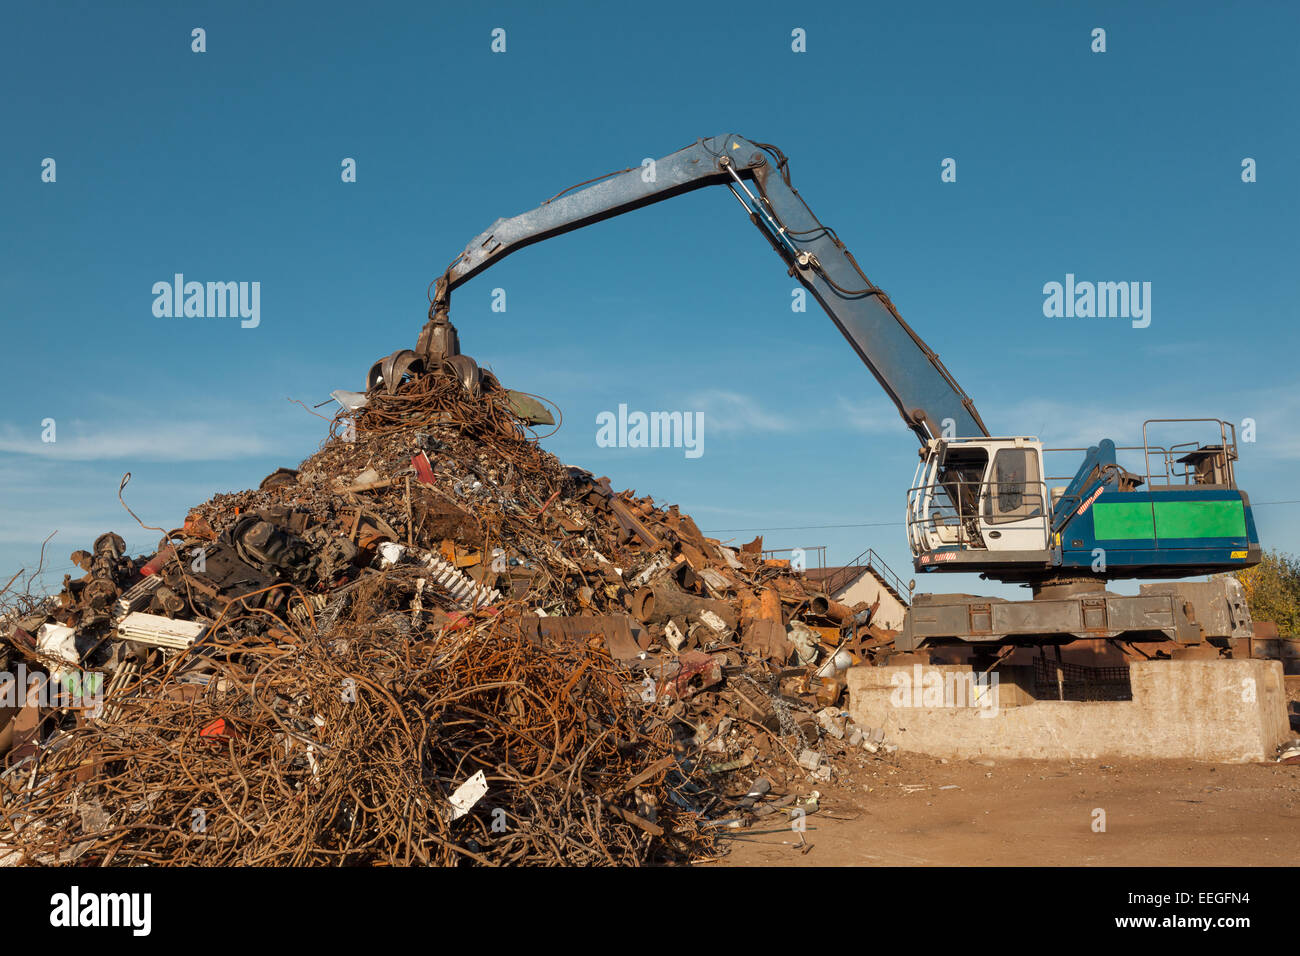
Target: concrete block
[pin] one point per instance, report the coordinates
(1222, 711)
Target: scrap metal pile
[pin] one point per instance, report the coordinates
(431, 643)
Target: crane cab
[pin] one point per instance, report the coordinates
(982, 504)
(979, 501)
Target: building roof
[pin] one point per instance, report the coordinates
(845, 573)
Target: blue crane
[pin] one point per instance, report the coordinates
(979, 503)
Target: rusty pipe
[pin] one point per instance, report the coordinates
(823, 606)
(664, 600)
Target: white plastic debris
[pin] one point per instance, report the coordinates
(390, 553)
(157, 630)
(349, 400)
(873, 740)
(804, 640)
(57, 641)
(831, 721)
(674, 636)
(714, 622)
(809, 759)
(467, 794)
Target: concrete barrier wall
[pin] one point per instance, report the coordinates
(1222, 711)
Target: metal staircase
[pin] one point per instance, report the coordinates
(874, 565)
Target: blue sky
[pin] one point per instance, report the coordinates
(225, 166)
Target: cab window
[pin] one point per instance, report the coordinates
(1014, 490)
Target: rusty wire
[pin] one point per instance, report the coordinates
(345, 746)
(430, 401)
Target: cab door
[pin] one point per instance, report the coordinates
(1014, 510)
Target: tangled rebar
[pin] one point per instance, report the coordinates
(345, 747)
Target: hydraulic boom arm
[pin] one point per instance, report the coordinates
(910, 372)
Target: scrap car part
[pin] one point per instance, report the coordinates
(262, 545)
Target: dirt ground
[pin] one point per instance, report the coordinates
(911, 810)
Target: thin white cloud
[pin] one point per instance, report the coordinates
(871, 417)
(728, 412)
(162, 441)
(1070, 424)
(1275, 412)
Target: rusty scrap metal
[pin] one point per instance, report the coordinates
(364, 658)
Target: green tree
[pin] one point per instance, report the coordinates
(1273, 591)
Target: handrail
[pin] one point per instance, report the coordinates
(820, 549)
(869, 560)
(1229, 447)
(1031, 493)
